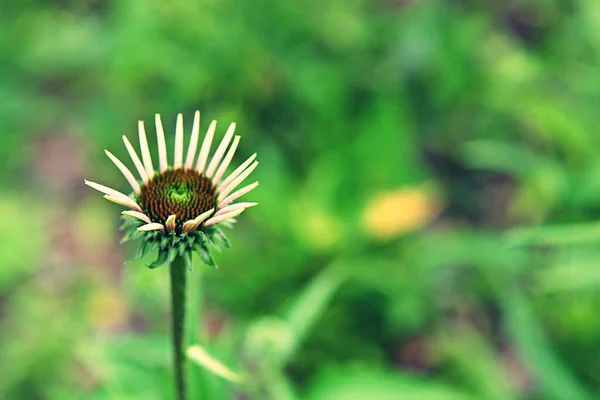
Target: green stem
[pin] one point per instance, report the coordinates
(194, 318)
(178, 289)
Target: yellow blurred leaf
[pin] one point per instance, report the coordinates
(390, 214)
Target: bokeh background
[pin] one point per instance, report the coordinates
(430, 188)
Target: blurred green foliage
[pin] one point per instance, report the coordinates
(430, 183)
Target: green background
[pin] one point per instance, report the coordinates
(430, 187)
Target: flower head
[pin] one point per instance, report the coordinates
(181, 207)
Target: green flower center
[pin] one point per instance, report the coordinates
(184, 193)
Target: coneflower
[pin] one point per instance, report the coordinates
(181, 207)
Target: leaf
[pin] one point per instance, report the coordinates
(556, 235)
(310, 303)
(201, 357)
(365, 383)
(554, 377)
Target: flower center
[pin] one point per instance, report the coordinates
(185, 193)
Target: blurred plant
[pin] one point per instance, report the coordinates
(180, 209)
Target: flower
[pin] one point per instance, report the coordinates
(181, 208)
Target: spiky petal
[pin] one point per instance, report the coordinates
(227, 189)
(138, 215)
(151, 227)
(171, 223)
(136, 160)
(220, 218)
(237, 194)
(162, 144)
(178, 161)
(236, 173)
(126, 202)
(236, 206)
(105, 189)
(214, 163)
(205, 149)
(226, 161)
(195, 223)
(125, 171)
(145, 150)
(189, 161)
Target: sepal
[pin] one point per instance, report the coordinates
(171, 244)
(162, 258)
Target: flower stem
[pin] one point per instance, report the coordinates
(178, 297)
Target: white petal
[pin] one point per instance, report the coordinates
(151, 227)
(223, 217)
(178, 142)
(125, 171)
(105, 189)
(203, 217)
(205, 149)
(236, 206)
(226, 161)
(195, 223)
(238, 194)
(237, 171)
(192, 224)
(188, 225)
(171, 223)
(214, 163)
(138, 215)
(126, 202)
(226, 190)
(162, 144)
(145, 150)
(136, 160)
(189, 161)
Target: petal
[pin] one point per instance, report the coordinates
(151, 227)
(171, 223)
(203, 217)
(189, 161)
(238, 180)
(214, 163)
(125, 171)
(226, 161)
(105, 189)
(237, 171)
(178, 142)
(220, 218)
(205, 149)
(127, 202)
(188, 225)
(162, 144)
(237, 194)
(138, 215)
(192, 224)
(136, 160)
(236, 206)
(145, 150)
